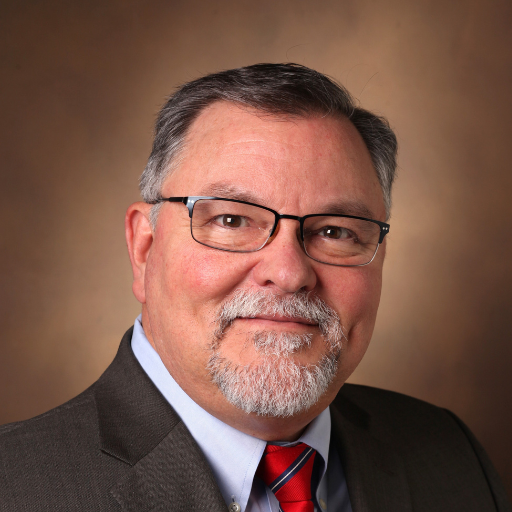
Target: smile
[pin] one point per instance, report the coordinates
(277, 319)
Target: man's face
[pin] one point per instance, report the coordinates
(296, 167)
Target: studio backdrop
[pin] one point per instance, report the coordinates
(81, 85)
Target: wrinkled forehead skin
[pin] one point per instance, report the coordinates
(265, 155)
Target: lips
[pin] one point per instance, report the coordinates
(279, 318)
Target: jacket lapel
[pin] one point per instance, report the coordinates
(166, 469)
(172, 477)
(375, 473)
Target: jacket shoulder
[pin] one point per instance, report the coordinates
(401, 421)
(58, 444)
(54, 460)
(432, 441)
(40, 424)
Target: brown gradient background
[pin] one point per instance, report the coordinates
(82, 82)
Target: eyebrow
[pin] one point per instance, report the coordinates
(230, 192)
(221, 189)
(355, 208)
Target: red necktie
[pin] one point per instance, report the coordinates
(288, 471)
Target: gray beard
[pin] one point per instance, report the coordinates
(275, 385)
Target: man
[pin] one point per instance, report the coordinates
(257, 257)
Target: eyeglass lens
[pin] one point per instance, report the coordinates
(240, 227)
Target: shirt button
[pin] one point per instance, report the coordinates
(234, 507)
(323, 504)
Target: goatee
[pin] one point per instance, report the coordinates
(275, 385)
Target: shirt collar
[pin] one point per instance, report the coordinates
(232, 455)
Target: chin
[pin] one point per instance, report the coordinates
(276, 386)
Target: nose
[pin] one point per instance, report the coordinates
(283, 263)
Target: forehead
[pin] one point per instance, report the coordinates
(291, 163)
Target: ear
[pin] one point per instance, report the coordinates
(139, 238)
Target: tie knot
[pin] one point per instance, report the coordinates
(289, 473)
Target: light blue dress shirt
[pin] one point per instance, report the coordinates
(233, 455)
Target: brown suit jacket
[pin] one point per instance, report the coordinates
(119, 446)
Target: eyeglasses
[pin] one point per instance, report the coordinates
(239, 226)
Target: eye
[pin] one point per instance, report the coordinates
(334, 232)
(231, 221)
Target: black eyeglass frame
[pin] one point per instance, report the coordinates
(190, 201)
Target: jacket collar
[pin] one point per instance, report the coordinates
(167, 470)
(375, 473)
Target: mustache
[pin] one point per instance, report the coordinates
(300, 305)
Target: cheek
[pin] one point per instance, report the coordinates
(355, 294)
(201, 276)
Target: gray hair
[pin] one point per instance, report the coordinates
(287, 90)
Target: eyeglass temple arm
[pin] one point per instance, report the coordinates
(183, 200)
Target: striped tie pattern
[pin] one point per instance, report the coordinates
(288, 472)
